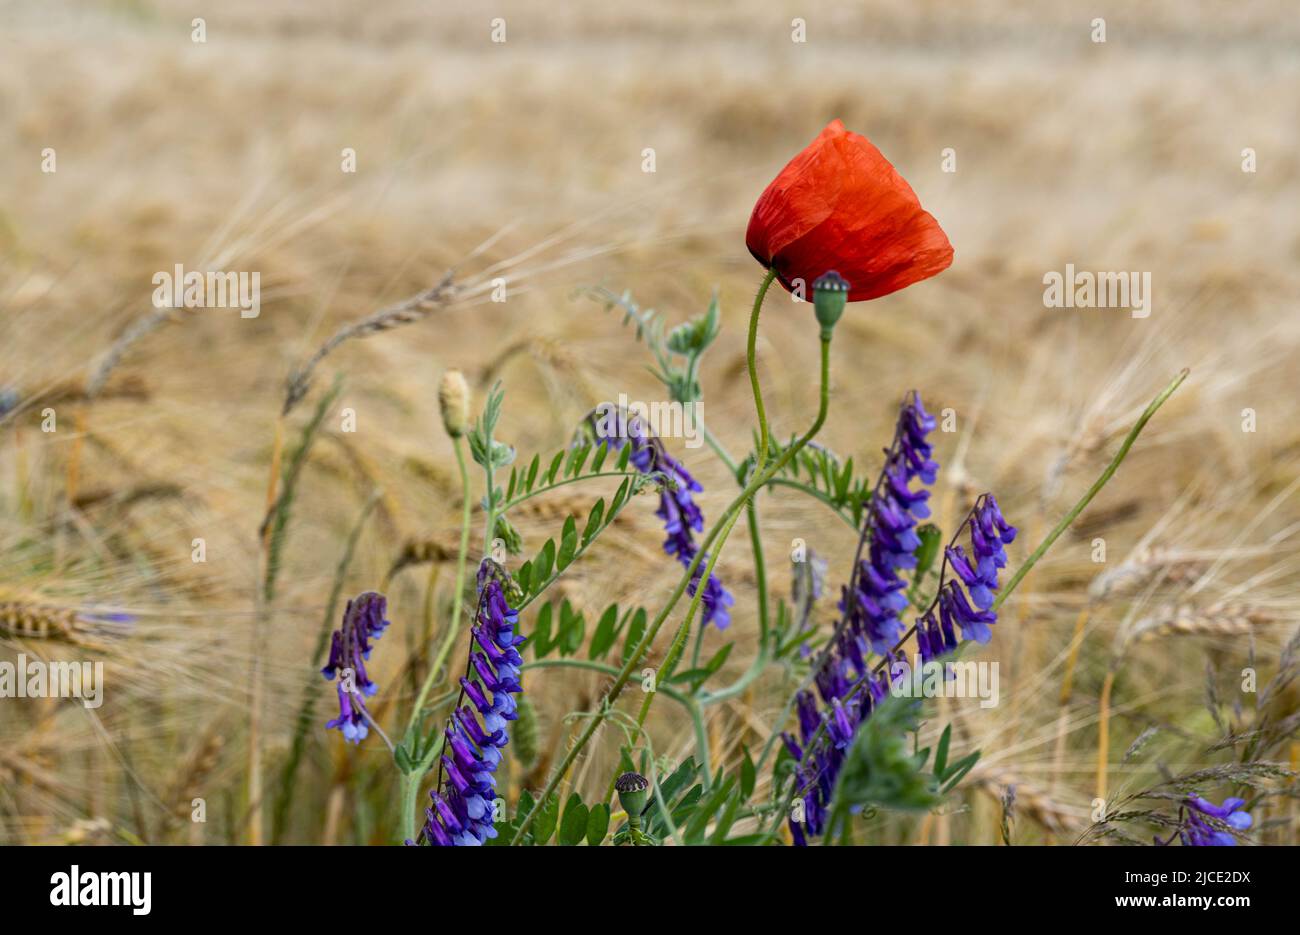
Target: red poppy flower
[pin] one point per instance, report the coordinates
(839, 205)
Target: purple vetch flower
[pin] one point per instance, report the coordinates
(872, 606)
(978, 572)
(680, 513)
(350, 644)
(462, 812)
(1197, 832)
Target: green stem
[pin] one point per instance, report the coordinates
(764, 433)
(634, 659)
(760, 563)
(679, 641)
(453, 629)
(410, 785)
(1101, 482)
(511, 504)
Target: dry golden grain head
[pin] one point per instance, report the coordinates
(28, 620)
(35, 620)
(453, 400)
(1174, 567)
(194, 773)
(1222, 619)
(423, 551)
(1052, 815)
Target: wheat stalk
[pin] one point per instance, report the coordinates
(405, 312)
(1221, 619)
(25, 619)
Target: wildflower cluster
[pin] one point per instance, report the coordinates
(350, 644)
(876, 597)
(678, 510)
(966, 602)
(462, 811)
(871, 604)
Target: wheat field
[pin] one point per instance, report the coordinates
(1126, 657)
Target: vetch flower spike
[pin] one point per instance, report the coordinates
(350, 645)
(462, 812)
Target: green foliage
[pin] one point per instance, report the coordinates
(677, 354)
(486, 451)
(560, 628)
(551, 560)
(880, 772)
(578, 823)
(818, 471)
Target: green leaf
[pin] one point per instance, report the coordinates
(541, 636)
(578, 459)
(532, 472)
(727, 818)
(606, 633)
(719, 659)
(593, 521)
(619, 496)
(544, 823)
(624, 454)
(959, 771)
(542, 565)
(554, 469)
(568, 544)
(597, 824)
(572, 629)
(748, 775)
(941, 752)
(926, 553)
(634, 633)
(699, 820)
(573, 827)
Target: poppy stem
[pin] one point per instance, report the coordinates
(764, 435)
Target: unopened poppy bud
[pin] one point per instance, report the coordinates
(632, 793)
(453, 400)
(830, 292)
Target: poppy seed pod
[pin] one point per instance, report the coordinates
(632, 791)
(453, 400)
(830, 292)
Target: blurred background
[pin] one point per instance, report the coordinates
(524, 159)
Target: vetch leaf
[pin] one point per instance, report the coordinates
(606, 633)
(573, 827)
(597, 824)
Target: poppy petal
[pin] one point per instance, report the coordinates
(840, 205)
